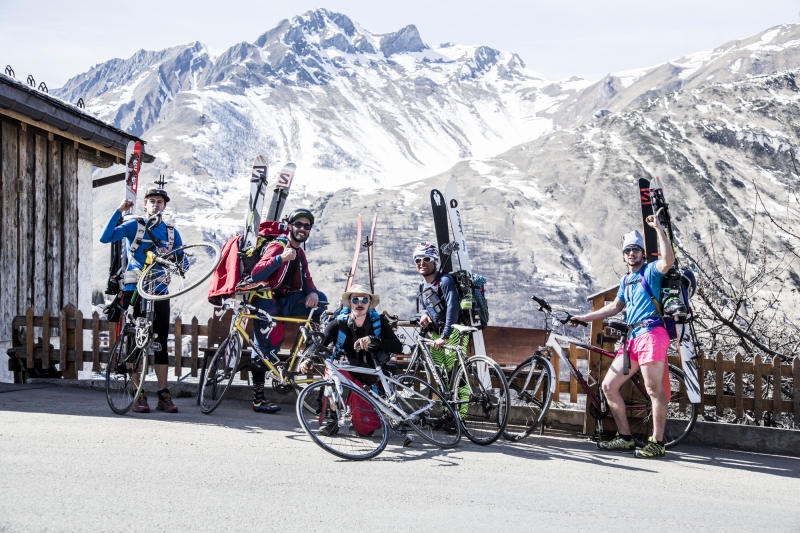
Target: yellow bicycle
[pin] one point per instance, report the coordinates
(217, 374)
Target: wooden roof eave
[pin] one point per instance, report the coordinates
(48, 113)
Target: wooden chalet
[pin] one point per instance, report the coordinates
(48, 149)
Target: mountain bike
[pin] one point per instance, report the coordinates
(339, 414)
(179, 271)
(533, 384)
(218, 372)
(475, 388)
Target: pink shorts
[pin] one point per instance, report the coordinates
(650, 347)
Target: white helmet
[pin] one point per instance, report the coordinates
(426, 249)
(633, 238)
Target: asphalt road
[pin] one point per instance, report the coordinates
(69, 464)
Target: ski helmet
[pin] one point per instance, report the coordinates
(632, 239)
(155, 191)
(301, 213)
(689, 281)
(426, 249)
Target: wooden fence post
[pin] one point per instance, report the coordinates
(29, 341)
(79, 340)
(95, 342)
(195, 332)
(758, 396)
(46, 339)
(62, 343)
(719, 373)
(777, 397)
(701, 378)
(739, 385)
(796, 390)
(178, 347)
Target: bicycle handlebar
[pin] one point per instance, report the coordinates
(542, 304)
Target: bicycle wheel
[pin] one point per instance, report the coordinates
(125, 360)
(681, 413)
(220, 373)
(481, 398)
(530, 393)
(433, 419)
(331, 426)
(183, 270)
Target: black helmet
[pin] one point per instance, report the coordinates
(689, 281)
(301, 213)
(155, 191)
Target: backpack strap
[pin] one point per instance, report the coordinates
(137, 240)
(342, 321)
(170, 237)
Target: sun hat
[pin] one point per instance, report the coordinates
(360, 289)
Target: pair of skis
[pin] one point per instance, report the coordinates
(653, 202)
(369, 245)
(258, 189)
(448, 207)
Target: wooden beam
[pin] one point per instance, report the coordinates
(108, 180)
(54, 211)
(69, 225)
(8, 227)
(65, 134)
(27, 172)
(40, 226)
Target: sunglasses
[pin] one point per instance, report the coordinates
(420, 260)
(362, 300)
(628, 251)
(302, 225)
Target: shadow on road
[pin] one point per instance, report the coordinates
(555, 445)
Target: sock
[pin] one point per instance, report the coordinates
(258, 392)
(626, 438)
(162, 392)
(661, 442)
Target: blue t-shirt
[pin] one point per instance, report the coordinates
(638, 303)
(127, 231)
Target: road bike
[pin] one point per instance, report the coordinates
(219, 371)
(475, 388)
(336, 412)
(164, 275)
(534, 383)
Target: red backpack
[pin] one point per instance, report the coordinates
(229, 271)
(363, 416)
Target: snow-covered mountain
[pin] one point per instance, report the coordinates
(367, 116)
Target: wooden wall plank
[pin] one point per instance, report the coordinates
(776, 389)
(195, 332)
(69, 225)
(27, 169)
(95, 342)
(796, 390)
(8, 228)
(53, 218)
(40, 226)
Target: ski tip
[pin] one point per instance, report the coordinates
(260, 161)
(656, 183)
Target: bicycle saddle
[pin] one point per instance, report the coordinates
(464, 329)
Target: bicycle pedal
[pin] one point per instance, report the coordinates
(409, 440)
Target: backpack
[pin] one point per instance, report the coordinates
(119, 261)
(363, 416)
(471, 298)
(342, 316)
(234, 264)
(668, 322)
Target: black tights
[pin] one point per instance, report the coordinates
(160, 323)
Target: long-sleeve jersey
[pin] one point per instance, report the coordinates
(127, 231)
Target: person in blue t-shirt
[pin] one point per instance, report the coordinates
(647, 341)
(155, 201)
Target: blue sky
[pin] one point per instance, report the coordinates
(587, 38)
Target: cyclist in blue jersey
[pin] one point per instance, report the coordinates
(646, 342)
(158, 236)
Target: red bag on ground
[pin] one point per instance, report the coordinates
(363, 416)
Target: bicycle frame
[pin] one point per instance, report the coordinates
(387, 406)
(239, 324)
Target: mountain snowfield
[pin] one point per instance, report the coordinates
(547, 170)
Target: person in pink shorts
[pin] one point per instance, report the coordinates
(646, 343)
